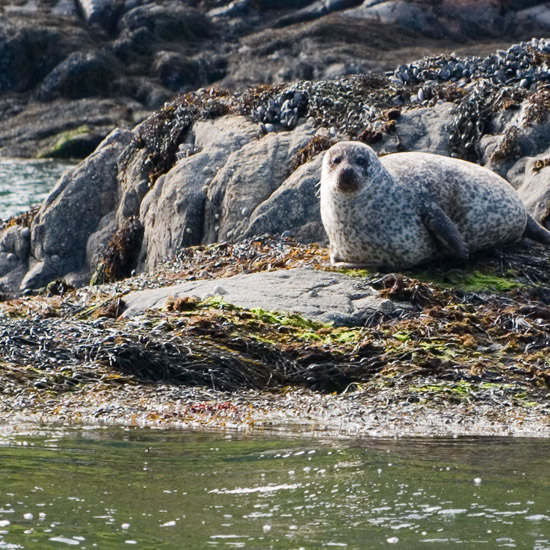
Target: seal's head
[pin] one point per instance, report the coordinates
(348, 167)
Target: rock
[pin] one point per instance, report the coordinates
(425, 129)
(321, 296)
(173, 213)
(14, 255)
(166, 22)
(219, 166)
(316, 10)
(76, 144)
(293, 208)
(445, 18)
(178, 72)
(535, 190)
(515, 135)
(72, 212)
(143, 53)
(100, 12)
(82, 74)
(536, 14)
(98, 242)
(248, 178)
(233, 9)
(415, 17)
(33, 134)
(31, 46)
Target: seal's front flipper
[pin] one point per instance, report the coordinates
(444, 232)
(536, 232)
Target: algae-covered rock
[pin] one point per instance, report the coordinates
(216, 165)
(320, 296)
(173, 212)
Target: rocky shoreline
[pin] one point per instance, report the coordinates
(215, 166)
(458, 350)
(172, 278)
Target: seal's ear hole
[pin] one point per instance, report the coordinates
(336, 160)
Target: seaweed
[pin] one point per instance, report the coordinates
(122, 253)
(317, 144)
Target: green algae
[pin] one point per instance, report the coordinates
(465, 390)
(454, 279)
(477, 281)
(288, 319)
(64, 142)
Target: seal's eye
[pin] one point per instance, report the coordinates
(361, 161)
(336, 160)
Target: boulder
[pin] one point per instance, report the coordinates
(82, 74)
(321, 296)
(31, 47)
(537, 14)
(166, 22)
(535, 190)
(248, 178)
(72, 212)
(293, 209)
(104, 13)
(425, 129)
(14, 255)
(173, 212)
(412, 16)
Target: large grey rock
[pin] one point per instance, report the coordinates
(425, 129)
(100, 12)
(409, 15)
(72, 212)
(536, 14)
(82, 74)
(293, 208)
(173, 212)
(14, 255)
(30, 47)
(248, 178)
(317, 295)
(514, 135)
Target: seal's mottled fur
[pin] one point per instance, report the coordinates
(408, 208)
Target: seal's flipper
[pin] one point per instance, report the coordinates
(444, 231)
(536, 232)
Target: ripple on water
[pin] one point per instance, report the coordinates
(258, 493)
(25, 183)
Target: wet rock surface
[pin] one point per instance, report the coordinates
(317, 295)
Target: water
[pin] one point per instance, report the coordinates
(117, 488)
(25, 183)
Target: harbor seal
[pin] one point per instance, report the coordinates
(406, 209)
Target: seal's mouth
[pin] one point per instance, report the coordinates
(347, 180)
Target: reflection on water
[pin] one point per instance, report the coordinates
(24, 183)
(113, 488)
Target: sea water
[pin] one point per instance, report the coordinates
(157, 489)
(26, 183)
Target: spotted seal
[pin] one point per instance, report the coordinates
(405, 209)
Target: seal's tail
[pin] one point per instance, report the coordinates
(536, 232)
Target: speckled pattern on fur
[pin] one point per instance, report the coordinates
(405, 209)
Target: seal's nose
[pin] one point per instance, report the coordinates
(347, 174)
(347, 179)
